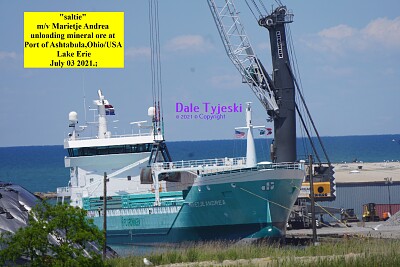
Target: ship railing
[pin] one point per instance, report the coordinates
(223, 164)
(219, 162)
(63, 191)
(262, 166)
(282, 165)
(135, 211)
(111, 137)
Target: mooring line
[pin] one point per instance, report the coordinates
(256, 195)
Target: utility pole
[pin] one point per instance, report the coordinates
(388, 182)
(310, 173)
(105, 216)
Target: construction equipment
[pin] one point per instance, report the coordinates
(300, 217)
(348, 215)
(369, 213)
(324, 184)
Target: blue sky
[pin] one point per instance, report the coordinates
(347, 52)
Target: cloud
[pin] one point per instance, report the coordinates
(189, 43)
(8, 55)
(381, 32)
(337, 32)
(137, 52)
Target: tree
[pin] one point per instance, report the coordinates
(59, 235)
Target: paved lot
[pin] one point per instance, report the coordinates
(369, 229)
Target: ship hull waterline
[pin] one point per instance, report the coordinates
(242, 206)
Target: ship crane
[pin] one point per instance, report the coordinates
(241, 53)
(277, 95)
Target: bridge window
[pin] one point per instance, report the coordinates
(109, 150)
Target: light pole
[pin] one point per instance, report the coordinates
(388, 182)
(105, 215)
(314, 226)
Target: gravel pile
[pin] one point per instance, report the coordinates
(393, 220)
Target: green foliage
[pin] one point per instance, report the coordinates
(55, 236)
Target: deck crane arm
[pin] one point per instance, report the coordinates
(278, 96)
(241, 53)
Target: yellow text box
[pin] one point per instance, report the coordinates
(73, 40)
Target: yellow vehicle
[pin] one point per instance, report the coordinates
(369, 213)
(324, 184)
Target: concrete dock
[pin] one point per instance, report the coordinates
(370, 229)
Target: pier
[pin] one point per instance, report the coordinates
(46, 195)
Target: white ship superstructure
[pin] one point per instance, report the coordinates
(121, 157)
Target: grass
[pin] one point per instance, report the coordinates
(340, 252)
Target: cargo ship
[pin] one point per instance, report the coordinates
(151, 199)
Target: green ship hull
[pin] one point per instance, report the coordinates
(246, 205)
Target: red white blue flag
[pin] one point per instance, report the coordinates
(239, 134)
(109, 110)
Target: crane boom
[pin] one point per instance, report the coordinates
(239, 50)
(277, 95)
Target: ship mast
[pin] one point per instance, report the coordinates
(101, 103)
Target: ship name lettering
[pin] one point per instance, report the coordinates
(130, 222)
(208, 203)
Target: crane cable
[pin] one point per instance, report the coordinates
(256, 6)
(315, 130)
(263, 6)
(251, 10)
(258, 9)
(300, 108)
(156, 81)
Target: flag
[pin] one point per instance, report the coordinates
(109, 110)
(262, 131)
(239, 134)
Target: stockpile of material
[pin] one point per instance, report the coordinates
(393, 220)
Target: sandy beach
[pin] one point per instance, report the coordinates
(366, 172)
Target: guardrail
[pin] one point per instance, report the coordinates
(157, 137)
(230, 163)
(220, 162)
(282, 165)
(63, 191)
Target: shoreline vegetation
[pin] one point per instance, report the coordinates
(353, 251)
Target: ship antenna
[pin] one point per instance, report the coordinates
(84, 95)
